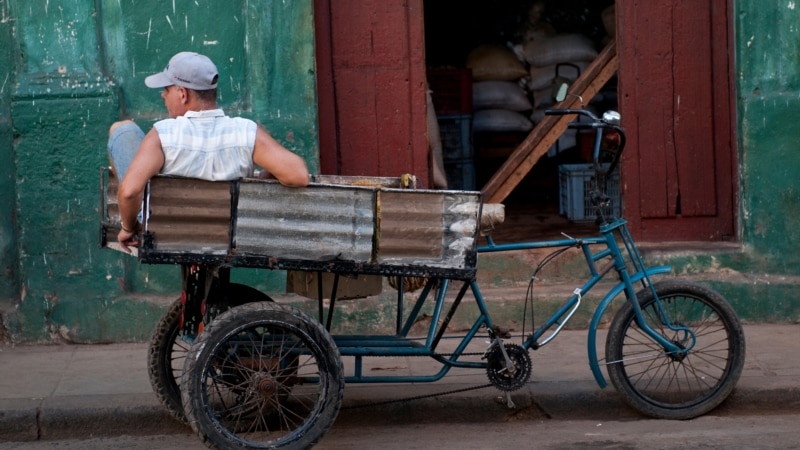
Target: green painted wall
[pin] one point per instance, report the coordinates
(768, 91)
(8, 251)
(68, 70)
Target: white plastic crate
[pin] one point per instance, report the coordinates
(575, 184)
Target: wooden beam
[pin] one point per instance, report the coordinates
(546, 132)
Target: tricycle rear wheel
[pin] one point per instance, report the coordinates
(169, 346)
(262, 375)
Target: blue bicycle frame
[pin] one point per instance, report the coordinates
(611, 249)
(630, 272)
(616, 248)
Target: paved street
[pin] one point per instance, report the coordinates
(57, 393)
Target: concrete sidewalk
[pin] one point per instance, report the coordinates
(64, 391)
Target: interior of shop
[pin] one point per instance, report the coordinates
(492, 67)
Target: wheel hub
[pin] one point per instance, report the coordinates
(679, 355)
(267, 386)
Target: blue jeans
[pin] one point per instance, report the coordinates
(122, 146)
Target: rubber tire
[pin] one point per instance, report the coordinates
(719, 348)
(221, 362)
(168, 349)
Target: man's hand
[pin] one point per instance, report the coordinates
(127, 239)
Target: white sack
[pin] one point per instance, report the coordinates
(500, 120)
(499, 95)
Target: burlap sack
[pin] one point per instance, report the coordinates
(495, 62)
(558, 49)
(435, 147)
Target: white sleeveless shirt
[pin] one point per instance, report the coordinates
(208, 145)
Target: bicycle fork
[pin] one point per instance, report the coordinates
(642, 274)
(670, 347)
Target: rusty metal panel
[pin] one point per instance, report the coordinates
(316, 223)
(428, 228)
(186, 215)
(111, 204)
(410, 225)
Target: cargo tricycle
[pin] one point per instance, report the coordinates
(249, 372)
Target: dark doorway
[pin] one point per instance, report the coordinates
(542, 205)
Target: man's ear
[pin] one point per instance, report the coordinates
(184, 94)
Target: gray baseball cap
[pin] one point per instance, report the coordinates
(188, 69)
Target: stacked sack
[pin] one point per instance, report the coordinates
(498, 97)
(563, 56)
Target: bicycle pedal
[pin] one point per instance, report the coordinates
(505, 399)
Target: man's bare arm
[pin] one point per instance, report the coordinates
(288, 168)
(147, 163)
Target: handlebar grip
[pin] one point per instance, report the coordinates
(562, 112)
(583, 126)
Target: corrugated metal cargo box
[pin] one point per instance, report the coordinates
(360, 227)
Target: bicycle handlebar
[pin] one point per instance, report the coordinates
(565, 112)
(600, 124)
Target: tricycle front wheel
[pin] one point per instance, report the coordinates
(680, 386)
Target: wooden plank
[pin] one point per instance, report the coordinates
(693, 40)
(546, 132)
(655, 85)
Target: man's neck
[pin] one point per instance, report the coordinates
(201, 106)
